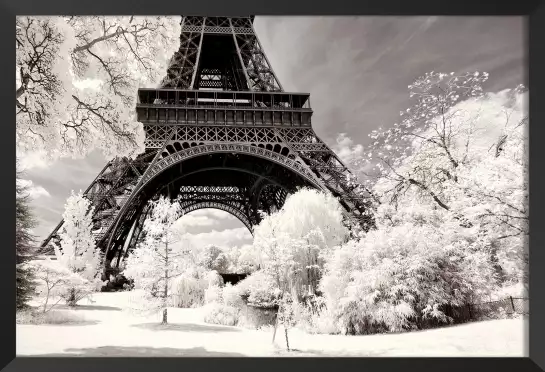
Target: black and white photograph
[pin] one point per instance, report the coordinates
(272, 186)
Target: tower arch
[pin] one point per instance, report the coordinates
(220, 131)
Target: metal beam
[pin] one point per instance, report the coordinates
(191, 86)
(240, 56)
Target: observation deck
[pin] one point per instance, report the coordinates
(223, 108)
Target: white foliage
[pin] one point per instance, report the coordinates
(231, 296)
(158, 265)
(214, 258)
(219, 313)
(400, 273)
(77, 251)
(188, 290)
(291, 240)
(260, 289)
(77, 79)
(224, 305)
(213, 294)
(463, 153)
(451, 209)
(313, 216)
(214, 279)
(55, 280)
(244, 259)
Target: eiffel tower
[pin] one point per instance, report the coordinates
(220, 133)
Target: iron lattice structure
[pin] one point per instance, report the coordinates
(220, 133)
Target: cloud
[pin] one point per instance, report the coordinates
(226, 238)
(201, 220)
(212, 213)
(347, 150)
(34, 191)
(352, 155)
(190, 220)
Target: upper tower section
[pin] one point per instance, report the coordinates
(220, 76)
(220, 54)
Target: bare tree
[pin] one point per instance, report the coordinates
(461, 152)
(78, 76)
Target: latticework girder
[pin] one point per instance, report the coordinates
(220, 133)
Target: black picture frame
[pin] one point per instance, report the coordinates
(535, 12)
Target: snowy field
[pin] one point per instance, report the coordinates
(106, 328)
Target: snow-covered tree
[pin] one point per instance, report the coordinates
(244, 259)
(406, 273)
(189, 288)
(214, 258)
(277, 251)
(157, 261)
(290, 240)
(450, 190)
(463, 152)
(55, 281)
(77, 251)
(77, 79)
(24, 222)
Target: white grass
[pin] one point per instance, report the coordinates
(109, 330)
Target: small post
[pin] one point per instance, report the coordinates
(512, 303)
(275, 327)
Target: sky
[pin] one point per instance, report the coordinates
(356, 69)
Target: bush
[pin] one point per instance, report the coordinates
(232, 297)
(399, 277)
(223, 305)
(50, 317)
(257, 317)
(323, 323)
(214, 279)
(259, 289)
(213, 258)
(227, 305)
(213, 294)
(219, 313)
(188, 290)
(312, 316)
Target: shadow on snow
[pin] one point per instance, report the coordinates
(137, 351)
(185, 327)
(88, 307)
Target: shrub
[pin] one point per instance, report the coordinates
(188, 290)
(395, 278)
(214, 279)
(50, 317)
(219, 313)
(223, 305)
(232, 297)
(257, 317)
(259, 289)
(213, 294)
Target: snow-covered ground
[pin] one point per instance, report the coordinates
(107, 329)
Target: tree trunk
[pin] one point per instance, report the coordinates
(71, 300)
(165, 294)
(46, 298)
(164, 316)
